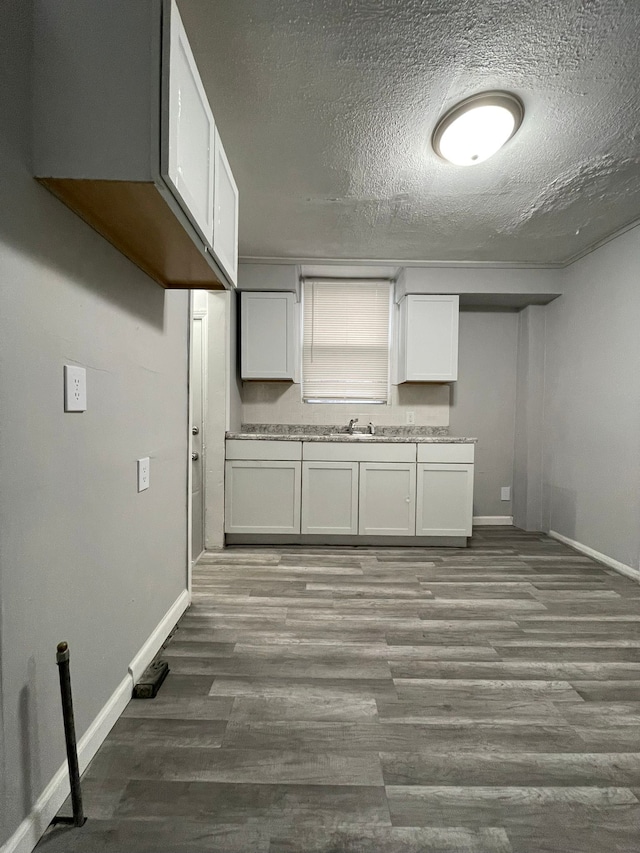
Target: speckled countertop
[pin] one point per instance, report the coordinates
(386, 435)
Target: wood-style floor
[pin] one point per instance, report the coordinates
(374, 700)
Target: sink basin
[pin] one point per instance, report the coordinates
(357, 435)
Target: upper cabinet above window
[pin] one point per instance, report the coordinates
(124, 135)
(268, 336)
(427, 339)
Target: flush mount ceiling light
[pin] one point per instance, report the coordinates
(477, 127)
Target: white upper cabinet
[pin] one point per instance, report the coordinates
(124, 135)
(427, 339)
(189, 131)
(225, 225)
(268, 335)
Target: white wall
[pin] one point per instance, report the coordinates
(83, 556)
(592, 403)
(483, 402)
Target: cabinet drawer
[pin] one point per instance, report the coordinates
(257, 449)
(446, 452)
(358, 450)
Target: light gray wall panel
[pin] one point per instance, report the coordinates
(592, 403)
(527, 477)
(83, 556)
(483, 402)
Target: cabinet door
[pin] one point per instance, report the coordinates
(387, 498)
(428, 339)
(330, 497)
(188, 128)
(268, 335)
(262, 497)
(225, 225)
(444, 499)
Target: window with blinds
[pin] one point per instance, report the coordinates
(345, 342)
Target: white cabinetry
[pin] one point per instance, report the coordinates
(262, 496)
(330, 498)
(387, 499)
(444, 503)
(225, 225)
(124, 135)
(350, 489)
(190, 133)
(268, 335)
(427, 339)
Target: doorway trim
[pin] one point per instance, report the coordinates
(197, 313)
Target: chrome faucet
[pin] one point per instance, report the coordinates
(372, 429)
(351, 425)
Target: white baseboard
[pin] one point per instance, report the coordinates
(160, 633)
(32, 828)
(27, 835)
(491, 520)
(622, 568)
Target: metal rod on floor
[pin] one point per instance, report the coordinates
(62, 659)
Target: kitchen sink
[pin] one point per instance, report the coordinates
(357, 435)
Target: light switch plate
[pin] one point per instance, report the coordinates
(143, 474)
(75, 388)
(505, 493)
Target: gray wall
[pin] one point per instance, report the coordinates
(483, 402)
(592, 402)
(83, 556)
(234, 414)
(528, 463)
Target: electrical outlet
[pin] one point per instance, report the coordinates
(143, 474)
(505, 493)
(75, 388)
(411, 417)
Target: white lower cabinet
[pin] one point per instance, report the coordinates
(350, 489)
(262, 496)
(444, 505)
(330, 498)
(387, 499)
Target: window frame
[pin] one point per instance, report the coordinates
(390, 342)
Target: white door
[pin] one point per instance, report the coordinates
(225, 226)
(188, 142)
(197, 425)
(330, 497)
(262, 496)
(387, 498)
(444, 499)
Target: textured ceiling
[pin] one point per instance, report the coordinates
(326, 109)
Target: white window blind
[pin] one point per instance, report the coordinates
(345, 344)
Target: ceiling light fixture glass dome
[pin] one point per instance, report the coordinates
(473, 130)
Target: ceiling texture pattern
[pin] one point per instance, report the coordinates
(326, 109)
